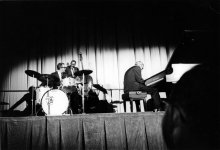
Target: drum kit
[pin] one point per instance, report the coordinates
(55, 101)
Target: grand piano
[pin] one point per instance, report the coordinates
(196, 47)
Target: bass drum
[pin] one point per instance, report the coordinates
(54, 102)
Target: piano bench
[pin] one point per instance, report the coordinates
(135, 97)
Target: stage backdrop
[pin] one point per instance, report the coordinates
(111, 39)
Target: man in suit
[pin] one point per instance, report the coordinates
(72, 79)
(70, 70)
(72, 90)
(133, 81)
(58, 75)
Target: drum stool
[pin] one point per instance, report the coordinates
(133, 96)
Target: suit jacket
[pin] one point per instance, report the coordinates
(69, 73)
(56, 82)
(133, 79)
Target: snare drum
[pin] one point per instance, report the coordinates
(68, 82)
(55, 102)
(69, 85)
(40, 92)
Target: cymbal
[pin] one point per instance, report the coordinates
(32, 73)
(4, 103)
(81, 72)
(46, 77)
(97, 86)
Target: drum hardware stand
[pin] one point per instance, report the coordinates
(83, 92)
(83, 73)
(69, 110)
(48, 103)
(32, 102)
(33, 74)
(47, 82)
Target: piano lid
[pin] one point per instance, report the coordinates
(196, 47)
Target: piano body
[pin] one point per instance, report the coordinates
(196, 47)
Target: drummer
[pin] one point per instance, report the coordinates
(58, 75)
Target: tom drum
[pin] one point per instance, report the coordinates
(40, 91)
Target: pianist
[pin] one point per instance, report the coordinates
(133, 81)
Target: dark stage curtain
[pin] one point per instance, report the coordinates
(89, 131)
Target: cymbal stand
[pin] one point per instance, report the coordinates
(47, 82)
(48, 102)
(32, 101)
(83, 85)
(83, 97)
(48, 99)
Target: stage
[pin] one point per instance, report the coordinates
(105, 131)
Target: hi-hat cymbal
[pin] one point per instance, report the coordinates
(32, 73)
(81, 72)
(100, 88)
(4, 103)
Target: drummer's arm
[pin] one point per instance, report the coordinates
(64, 75)
(76, 69)
(57, 81)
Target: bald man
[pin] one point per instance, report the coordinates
(133, 81)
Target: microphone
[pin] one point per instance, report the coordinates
(80, 55)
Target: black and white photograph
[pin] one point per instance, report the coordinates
(109, 74)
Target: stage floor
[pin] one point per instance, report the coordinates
(84, 131)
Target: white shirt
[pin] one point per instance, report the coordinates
(72, 71)
(60, 76)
